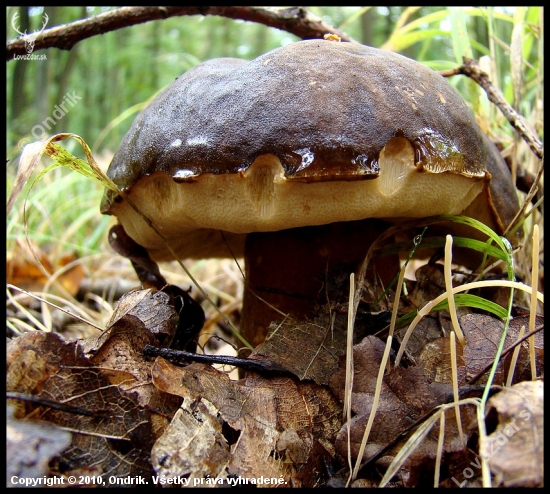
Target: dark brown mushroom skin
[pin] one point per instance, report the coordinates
(338, 110)
(337, 105)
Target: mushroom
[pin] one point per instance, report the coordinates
(296, 160)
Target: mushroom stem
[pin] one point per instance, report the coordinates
(291, 271)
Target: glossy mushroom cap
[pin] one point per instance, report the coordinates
(312, 133)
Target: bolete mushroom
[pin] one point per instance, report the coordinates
(299, 149)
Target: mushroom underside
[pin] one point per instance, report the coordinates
(262, 199)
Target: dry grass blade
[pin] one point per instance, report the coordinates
(11, 299)
(40, 299)
(533, 305)
(457, 289)
(535, 296)
(396, 299)
(349, 368)
(410, 446)
(439, 453)
(454, 374)
(521, 215)
(69, 299)
(422, 431)
(375, 403)
(485, 471)
(449, 287)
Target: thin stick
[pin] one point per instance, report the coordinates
(295, 20)
(472, 69)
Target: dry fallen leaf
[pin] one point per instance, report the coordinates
(254, 428)
(23, 269)
(120, 413)
(430, 283)
(483, 334)
(110, 429)
(523, 365)
(408, 393)
(152, 308)
(193, 445)
(406, 396)
(310, 350)
(515, 450)
(286, 427)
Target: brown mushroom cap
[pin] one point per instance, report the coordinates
(312, 133)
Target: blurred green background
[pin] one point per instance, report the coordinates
(115, 71)
(114, 75)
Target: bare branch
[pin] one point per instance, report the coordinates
(531, 195)
(472, 69)
(296, 20)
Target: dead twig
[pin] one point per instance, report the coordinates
(530, 196)
(180, 357)
(472, 69)
(295, 20)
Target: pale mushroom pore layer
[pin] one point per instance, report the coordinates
(263, 199)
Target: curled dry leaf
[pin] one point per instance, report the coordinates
(109, 379)
(141, 318)
(122, 351)
(286, 427)
(150, 308)
(515, 450)
(113, 433)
